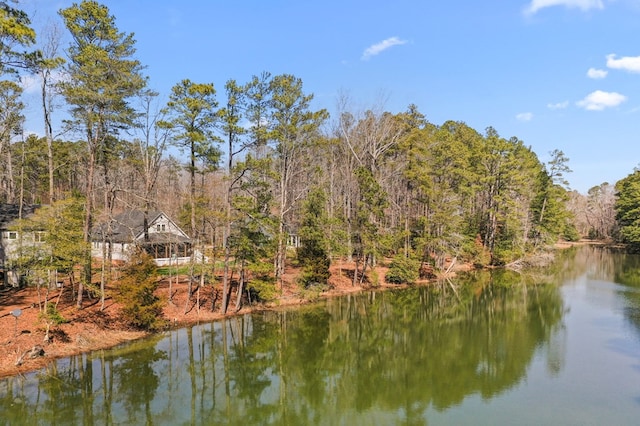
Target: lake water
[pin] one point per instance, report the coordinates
(559, 347)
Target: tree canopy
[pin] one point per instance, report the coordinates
(361, 186)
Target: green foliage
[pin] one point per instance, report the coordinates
(11, 116)
(570, 233)
(262, 284)
(15, 31)
(476, 253)
(312, 293)
(370, 211)
(312, 254)
(192, 116)
(551, 217)
(374, 278)
(102, 73)
(403, 270)
(52, 238)
(140, 306)
(627, 208)
(52, 315)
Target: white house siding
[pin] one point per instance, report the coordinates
(120, 251)
(163, 225)
(161, 228)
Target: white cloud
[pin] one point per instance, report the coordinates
(599, 100)
(558, 105)
(583, 5)
(378, 48)
(30, 83)
(626, 63)
(524, 116)
(596, 73)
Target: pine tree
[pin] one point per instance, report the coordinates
(312, 254)
(140, 306)
(627, 208)
(102, 78)
(15, 32)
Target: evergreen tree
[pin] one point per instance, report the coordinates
(52, 243)
(140, 306)
(251, 241)
(103, 76)
(370, 210)
(15, 31)
(295, 126)
(627, 208)
(11, 119)
(230, 117)
(191, 117)
(312, 254)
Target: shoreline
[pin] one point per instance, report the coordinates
(89, 329)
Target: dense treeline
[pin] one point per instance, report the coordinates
(250, 167)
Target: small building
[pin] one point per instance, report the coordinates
(13, 241)
(162, 238)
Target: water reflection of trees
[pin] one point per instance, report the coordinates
(448, 346)
(627, 273)
(85, 389)
(388, 355)
(404, 351)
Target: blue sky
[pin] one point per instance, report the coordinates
(557, 74)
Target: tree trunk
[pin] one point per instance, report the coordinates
(240, 287)
(88, 221)
(225, 277)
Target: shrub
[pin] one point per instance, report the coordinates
(403, 270)
(261, 284)
(52, 315)
(263, 289)
(140, 306)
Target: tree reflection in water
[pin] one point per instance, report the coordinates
(389, 356)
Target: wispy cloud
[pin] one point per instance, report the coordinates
(583, 5)
(599, 100)
(524, 116)
(378, 48)
(558, 105)
(31, 83)
(596, 73)
(626, 63)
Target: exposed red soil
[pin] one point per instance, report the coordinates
(91, 328)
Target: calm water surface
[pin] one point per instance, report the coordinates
(561, 347)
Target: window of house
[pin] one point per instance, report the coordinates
(39, 237)
(12, 235)
(163, 227)
(158, 228)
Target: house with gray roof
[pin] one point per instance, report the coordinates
(158, 235)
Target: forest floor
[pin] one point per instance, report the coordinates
(90, 328)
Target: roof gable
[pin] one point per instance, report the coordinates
(11, 212)
(128, 226)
